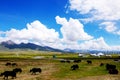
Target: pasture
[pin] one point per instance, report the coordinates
(53, 69)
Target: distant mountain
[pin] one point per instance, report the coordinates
(91, 51)
(2, 48)
(6, 45)
(9, 42)
(11, 45)
(75, 50)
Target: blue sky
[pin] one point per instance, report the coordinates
(75, 24)
(19, 12)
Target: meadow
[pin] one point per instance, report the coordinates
(53, 69)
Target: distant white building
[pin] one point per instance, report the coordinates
(100, 54)
(97, 54)
(108, 55)
(80, 55)
(93, 54)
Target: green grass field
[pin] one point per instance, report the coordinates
(53, 69)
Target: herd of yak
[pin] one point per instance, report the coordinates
(109, 67)
(13, 72)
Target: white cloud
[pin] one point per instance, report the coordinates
(106, 11)
(72, 30)
(115, 47)
(99, 44)
(98, 9)
(110, 27)
(35, 32)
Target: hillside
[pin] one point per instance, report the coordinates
(11, 45)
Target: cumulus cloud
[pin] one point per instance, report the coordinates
(109, 26)
(72, 30)
(115, 47)
(106, 11)
(99, 9)
(34, 32)
(99, 44)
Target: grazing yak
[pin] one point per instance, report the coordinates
(111, 69)
(77, 61)
(8, 73)
(68, 61)
(17, 70)
(89, 62)
(116, 60)
(34, 70)
(110, 66)
(8, 64)
(74, 67)
(101, 64)
(11, 64)
(14, 64)
(62, 61)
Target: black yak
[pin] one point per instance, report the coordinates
(68, 61)
(77, 61)
(34, 70)
(17, 70)
(62, 61)
(101, 64)
(74, 67)
(14, 64)
(8, 73)
(8, 64)
(11, 64)
(113, 71)
(110, 66)
(89, 62)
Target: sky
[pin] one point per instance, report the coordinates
(62, 24)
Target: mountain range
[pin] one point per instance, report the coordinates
(11, 45)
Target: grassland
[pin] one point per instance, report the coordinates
(53, 69)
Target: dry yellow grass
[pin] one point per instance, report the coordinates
(47, 69)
